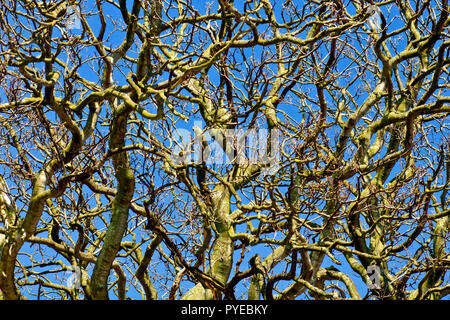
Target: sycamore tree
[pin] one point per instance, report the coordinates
(227, 149)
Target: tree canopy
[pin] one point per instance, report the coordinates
(225, 149)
